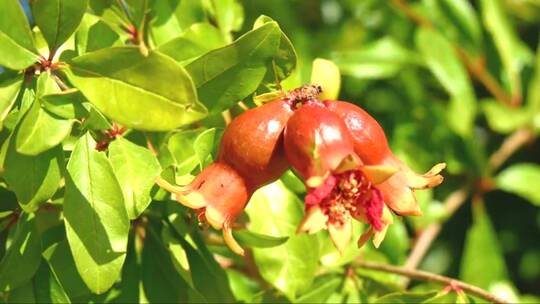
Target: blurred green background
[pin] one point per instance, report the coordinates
(433, 109)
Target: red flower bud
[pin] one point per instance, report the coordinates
(251, 155)
(252, 144)
(317, 144)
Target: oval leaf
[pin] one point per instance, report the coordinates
(58, 19)
(17, 48)
(33, 178)
(67, 104)
(96, 220)
(23, 256)
(40, 131)
(9, 89)
(446, 67)
(252, 239)
(123, 84)
(521, 179)
(290, 267)
(200, 38)
(229, 74)
(136, 169)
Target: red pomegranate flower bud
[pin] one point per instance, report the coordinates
(321, 150)
(371, 146)
(317, 143)
(251, 155)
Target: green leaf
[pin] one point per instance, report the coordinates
(445, 65)
(171, 18)
(227, 75)
(66, 104)
(321, 290)
(197, 40)
(58, 19)
(504, 119)
(290, 267)
(203, 145)
(458, 20)
(244, 288)
(161, 282)
(40, 131)
(23, 256)
(383, 58)
(136, 169)
(63, 266)
(521, 179)
(17, 48)
(252, 239)
(33, 178)
(229, 14)
(406, 297)
(513, 52)
(9, 89)
(23, 294)
(285, 60)
(208, 278)
(96, 220)
(122, 84)
(482, 263)
(94, 34)
(47, 288)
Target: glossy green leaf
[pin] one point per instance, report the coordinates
(161, 282)
(33, 178)
(208, 278)
(284, 61)
(244, 288)
(321, 290)
(197, 40)
(172, 17)
(47, 288)
(136, 169)
(482, 263)
(229, 14)
(380, 59)
(521, 179)
(9, 89)
(458, 19)
(58, 19)
(227, 75)
(513, 52)
(156, 86)
(40, 131)
(23, 256)
(203, 145)
(94, 34)
(252, 239)
(96, 220)
(446, 67)
(63, 266)
(290, 267)
(66, 104)
(17, 48)
(504, 119)
(406, 297)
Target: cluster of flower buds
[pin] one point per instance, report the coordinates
(340, 152)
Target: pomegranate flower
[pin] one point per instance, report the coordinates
(371, 146)
(340, 187)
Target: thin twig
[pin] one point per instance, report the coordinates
(478, 70)
(411, 14)
(431, 277)
(428, 235)
(509, 146)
